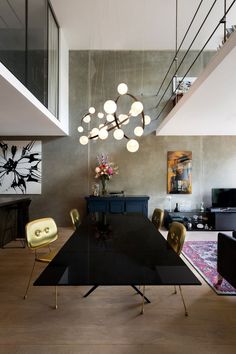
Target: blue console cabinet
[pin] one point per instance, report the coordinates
(115, 204)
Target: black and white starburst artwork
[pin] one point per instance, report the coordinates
(20, 167)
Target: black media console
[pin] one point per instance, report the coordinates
(217, 219)
(224, 218)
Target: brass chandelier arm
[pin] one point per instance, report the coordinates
(118, 124)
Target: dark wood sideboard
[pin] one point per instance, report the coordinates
(14, 215)
(118, 204)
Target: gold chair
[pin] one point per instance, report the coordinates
(175, 238)
(75, 218)
(157, 218)
(41, 233)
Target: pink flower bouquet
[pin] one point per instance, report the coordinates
(105, 170)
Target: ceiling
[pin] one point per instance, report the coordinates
(132, 24)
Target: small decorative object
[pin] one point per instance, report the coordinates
(179, 172)
(202, 206)
(200, 226)
(105, 170)
(176, 207)
(189, 225)
(96, 189)
(169, 199)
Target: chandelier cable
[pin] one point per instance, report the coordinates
(182, 60)
(177, 51)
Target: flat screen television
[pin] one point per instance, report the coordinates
(223, 197)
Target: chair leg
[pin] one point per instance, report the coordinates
(142, 307)
(56, 306)
(185, 308)
(25, 296)
(175, 290)
(219, 280)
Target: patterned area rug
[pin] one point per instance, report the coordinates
(203, 256)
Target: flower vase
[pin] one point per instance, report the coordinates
(104, 190)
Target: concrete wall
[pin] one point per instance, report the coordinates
(68, 167)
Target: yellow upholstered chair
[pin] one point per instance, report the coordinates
(157, 218)
(175, 238)
(41, 233)
(75, 218)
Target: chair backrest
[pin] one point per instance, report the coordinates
(226, 257)
(176, 236)
(75, 217)
(41, 232)
(157, 217)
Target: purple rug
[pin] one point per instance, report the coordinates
(203, 257)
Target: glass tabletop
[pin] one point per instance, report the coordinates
(117, 249)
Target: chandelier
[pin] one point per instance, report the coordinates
(112, 121)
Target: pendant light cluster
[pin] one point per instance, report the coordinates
(109, 120)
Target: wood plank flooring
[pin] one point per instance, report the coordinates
(108, 321)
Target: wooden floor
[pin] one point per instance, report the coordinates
(108, 321)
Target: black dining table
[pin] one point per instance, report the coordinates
(116, 249)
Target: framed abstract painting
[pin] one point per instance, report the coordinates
(20, 167)
(179, 174)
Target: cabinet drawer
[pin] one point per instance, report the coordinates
(117, 206)
(99, 206)
(134, 207)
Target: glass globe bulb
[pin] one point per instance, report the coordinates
(100, 115)
(138, 131)
(110, 117)
(87, 119)
(91, 110)
(80, 129)
(147, 120)
(136, 108)
(83, 140)
(132, 145)
(123, 119)
(122, 89)
(110, 106)
(118, 134)
(103, 134)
